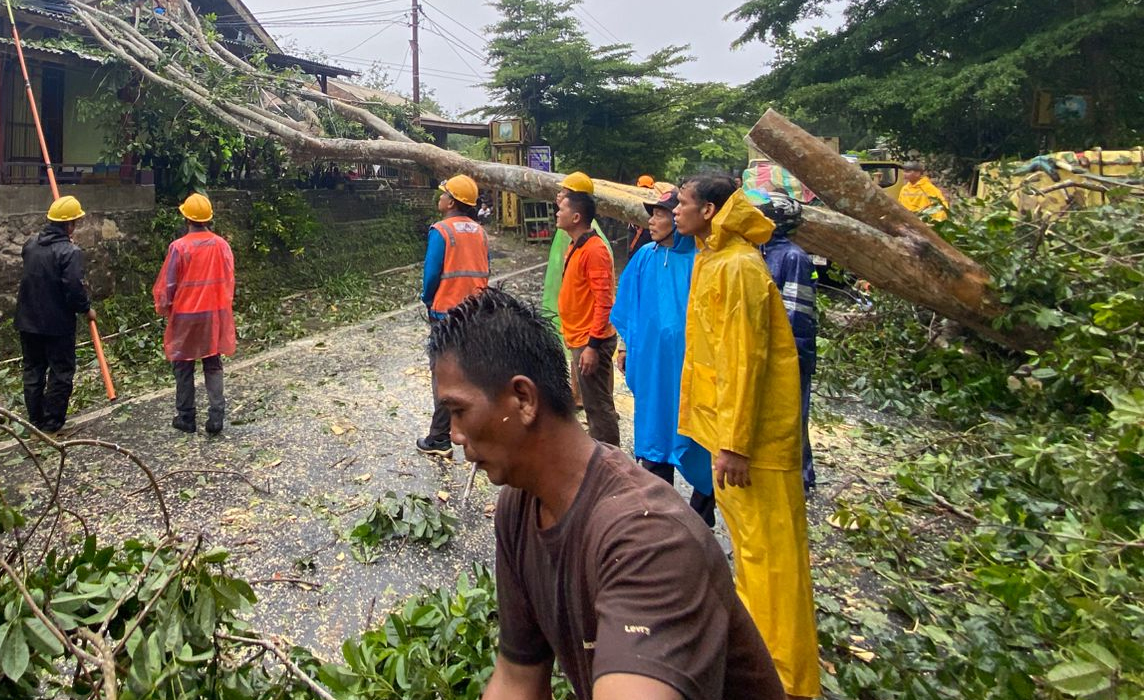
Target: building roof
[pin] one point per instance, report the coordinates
(35, 50)
(235, 9)
(281, 60)
(56, 9)
(359, 93)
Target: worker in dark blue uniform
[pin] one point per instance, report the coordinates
(795, 276)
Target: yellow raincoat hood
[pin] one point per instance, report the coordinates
(739, 391)
(740, 383)
(738, 219)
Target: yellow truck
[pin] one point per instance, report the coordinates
(1064, 180)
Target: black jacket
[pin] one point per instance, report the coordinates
(51, 288)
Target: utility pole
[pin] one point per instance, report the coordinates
(415, 50)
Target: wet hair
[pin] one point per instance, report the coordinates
(583, 204)
(494, 336)
(711, 187)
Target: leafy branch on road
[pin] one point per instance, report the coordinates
(409, 518)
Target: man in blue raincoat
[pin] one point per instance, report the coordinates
(650, 314)
(796, 278)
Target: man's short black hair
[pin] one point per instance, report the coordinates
(494, 336)
(712, 187)
(583, 204)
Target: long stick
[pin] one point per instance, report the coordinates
(32, 103)
(103, 368)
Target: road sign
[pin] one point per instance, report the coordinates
(540, 158)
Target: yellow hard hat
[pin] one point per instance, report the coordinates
(579, 182)
(646, 181)
(461, 188)
(197, 208)
(65, 209)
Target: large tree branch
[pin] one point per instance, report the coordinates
(880, 240)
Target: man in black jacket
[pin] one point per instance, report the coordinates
(51, 294)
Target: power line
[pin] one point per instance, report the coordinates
(369, 38)
(457, 22)
(310, 9)
(323, 20)
(402, 69)
(472, 70)
(455, 43)
(600, 24)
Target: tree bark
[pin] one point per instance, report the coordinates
(868, 234)
(874, 237)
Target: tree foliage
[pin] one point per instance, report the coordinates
(1029, 587)
(958, 76)
(603, 109)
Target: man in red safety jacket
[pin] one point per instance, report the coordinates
(195, 293)
(456, 266)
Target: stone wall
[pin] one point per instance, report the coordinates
(100, 236)
(358, 232)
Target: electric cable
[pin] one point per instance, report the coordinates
(459, 23)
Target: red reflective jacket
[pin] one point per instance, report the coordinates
(195, 293)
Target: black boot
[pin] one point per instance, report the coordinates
(187, 426)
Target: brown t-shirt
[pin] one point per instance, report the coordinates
(630, 580)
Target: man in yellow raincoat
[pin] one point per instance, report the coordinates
(919, 194)
(740, 399)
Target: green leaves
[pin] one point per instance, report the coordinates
(1008, 540)
(604, 109)
(14, 654)
(412, 517)
(1080, 678)
(950, 76)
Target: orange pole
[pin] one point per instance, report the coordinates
(103, 368)
(32, 104)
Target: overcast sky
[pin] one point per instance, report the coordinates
(354, 33)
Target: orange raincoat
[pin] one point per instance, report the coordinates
(195, 293)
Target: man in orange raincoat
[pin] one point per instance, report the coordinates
(195, 293)
(740, 399)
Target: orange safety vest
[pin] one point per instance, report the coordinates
(195, 293)
(466, 268)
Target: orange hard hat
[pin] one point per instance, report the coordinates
(461, 188)
(646, 181)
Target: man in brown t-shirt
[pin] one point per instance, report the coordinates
(600, 565)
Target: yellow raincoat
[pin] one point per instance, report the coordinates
(924, 197)
(740, 392)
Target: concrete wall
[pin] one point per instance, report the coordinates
(19, 200)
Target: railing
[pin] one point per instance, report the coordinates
(36, 173)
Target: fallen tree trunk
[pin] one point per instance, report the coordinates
(883, 243)
(874, 237)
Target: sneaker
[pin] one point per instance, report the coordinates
(186, 426)
(442, 449)
(214, 427)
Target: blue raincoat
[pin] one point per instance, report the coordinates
(650, 314)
